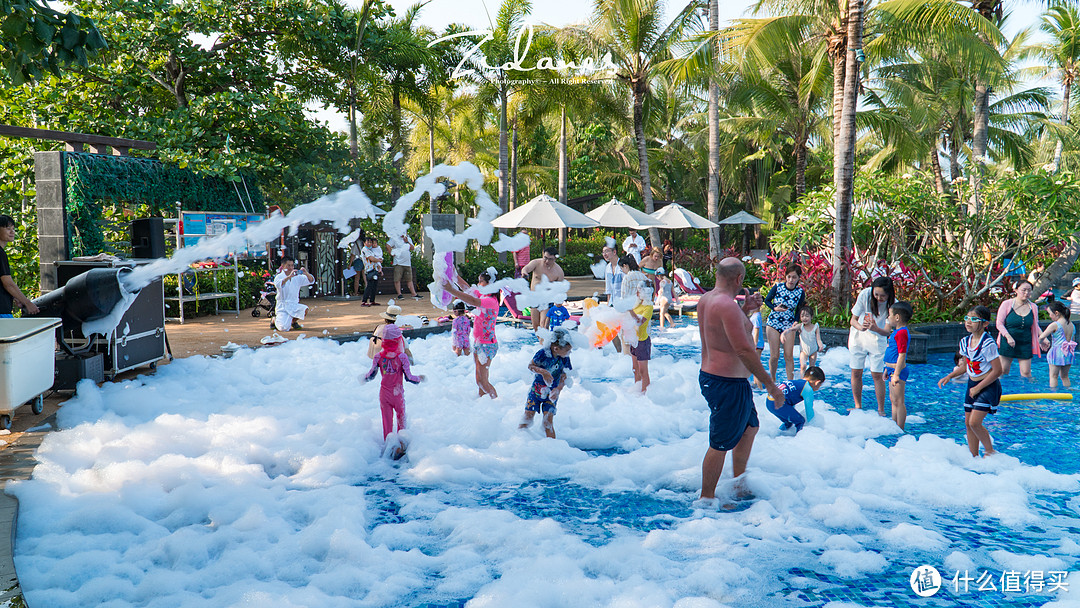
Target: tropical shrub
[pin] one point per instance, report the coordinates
(949, 253)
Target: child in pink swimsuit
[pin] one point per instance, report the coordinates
(394, 365)
(459, 331)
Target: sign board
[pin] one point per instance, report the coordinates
(198, 225)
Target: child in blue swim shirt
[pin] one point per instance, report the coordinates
(557, 315)
(795, 392)
(550, 365)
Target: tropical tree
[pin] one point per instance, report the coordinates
(782, 87)
(36, 39)
(404, 65)
(222, 102)
(1062, 23)
(634, 34)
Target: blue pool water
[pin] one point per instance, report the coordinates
(1037, 433)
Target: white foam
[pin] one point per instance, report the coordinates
(260, 480)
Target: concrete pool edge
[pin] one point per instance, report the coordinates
(17, 462)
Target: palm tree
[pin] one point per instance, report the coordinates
(993, 11)
(1062, 23)
(782, 90)
(632, 31)
(713, 202)
(1064, 52)
(404, 59)
(495, 85)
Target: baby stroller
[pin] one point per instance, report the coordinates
(267, 300)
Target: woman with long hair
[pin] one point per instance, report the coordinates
(868, 338)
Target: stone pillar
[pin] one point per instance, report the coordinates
(52, 220)
(441, 221)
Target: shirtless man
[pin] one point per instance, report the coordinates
(537, 270)
(728, 356)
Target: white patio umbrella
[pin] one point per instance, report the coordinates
(743, 219)
(544, 212)
(677, 216)
(614, 214)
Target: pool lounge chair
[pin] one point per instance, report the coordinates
(687, 283)
(514, 315)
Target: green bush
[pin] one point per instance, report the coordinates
(577, 265)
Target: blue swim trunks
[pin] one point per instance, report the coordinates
(986, 401)
(889, 371)
(538, 400)
(731, 403)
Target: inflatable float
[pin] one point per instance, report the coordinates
(1035, 396)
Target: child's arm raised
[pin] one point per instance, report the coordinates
(468, 298)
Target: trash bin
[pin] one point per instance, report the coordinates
(27, 348)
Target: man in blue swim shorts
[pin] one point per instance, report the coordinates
(728, 357)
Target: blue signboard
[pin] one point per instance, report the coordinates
(198, 225)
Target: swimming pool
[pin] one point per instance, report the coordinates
(259, 479)
(1039, 433)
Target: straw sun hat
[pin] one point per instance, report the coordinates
(392, 312)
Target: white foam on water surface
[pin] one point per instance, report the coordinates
(261, 479)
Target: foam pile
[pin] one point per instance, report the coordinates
(258, 481)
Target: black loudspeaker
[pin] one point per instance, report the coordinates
(148, 238)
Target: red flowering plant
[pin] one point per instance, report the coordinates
(816, 282)
(699, 263)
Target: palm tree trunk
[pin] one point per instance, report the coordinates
(354, 148)
(800, 170)
(564, 174)
(954, 157)
(1064, 121)
(643, 156)
(397, 154)
(504, 177)
(837, 55)
(514, 167)
(939, 177)
(713, 204)
(979, 140)
(433, 206)
(844, 162)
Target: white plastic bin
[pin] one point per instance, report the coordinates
(27, 362)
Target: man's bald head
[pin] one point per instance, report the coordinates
(731, 272)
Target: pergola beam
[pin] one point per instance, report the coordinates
(76, 141)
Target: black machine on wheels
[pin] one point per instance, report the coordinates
(139, 339)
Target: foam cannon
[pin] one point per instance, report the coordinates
(91, 296)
